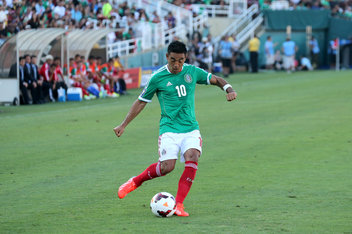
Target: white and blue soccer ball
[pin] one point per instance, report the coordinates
(163, 204)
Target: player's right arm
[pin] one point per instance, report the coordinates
(136, 108)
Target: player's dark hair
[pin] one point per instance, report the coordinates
(177, 47)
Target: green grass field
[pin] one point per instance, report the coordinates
(279, 159)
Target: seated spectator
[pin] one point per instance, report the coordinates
(36, 77)
(278, 61)
(305, 64)
(120, 85)
(24, 85)
(44, 74)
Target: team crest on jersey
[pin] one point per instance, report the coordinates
(188, 78)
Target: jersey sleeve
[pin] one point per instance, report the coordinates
(203, 77)
(149, 91)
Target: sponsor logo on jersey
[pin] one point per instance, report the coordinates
(168, 84)
(188, 78)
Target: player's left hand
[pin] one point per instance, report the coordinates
(231, 96)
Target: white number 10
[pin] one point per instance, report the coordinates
(181, 90)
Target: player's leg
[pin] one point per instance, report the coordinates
(192, 148)
(168, 151)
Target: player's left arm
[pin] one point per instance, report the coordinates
(222, 84)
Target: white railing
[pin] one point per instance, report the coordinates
(238, 25)
(250, 29)
(199, 21)
(243, 28)
(124, 48)
(152, 36)
(235, 8)
(182, 15)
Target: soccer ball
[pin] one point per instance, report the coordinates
(163, 204)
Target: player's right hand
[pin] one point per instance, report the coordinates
(119, 130)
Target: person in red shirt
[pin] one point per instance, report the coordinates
(44, 75)
(59, 76)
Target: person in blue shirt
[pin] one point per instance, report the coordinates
(314, 51)
(289, 49)
(269, 53)
(225, 52)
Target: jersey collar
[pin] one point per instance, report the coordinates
(167, 68)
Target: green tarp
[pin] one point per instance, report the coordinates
(340, 28)
(279, 19)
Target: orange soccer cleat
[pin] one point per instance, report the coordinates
(126, 188)
(180, 210)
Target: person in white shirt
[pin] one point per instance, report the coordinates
(60, 9)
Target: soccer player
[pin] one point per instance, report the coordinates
(174, 84)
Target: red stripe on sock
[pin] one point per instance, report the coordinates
(150, 173)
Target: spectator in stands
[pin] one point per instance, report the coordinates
(3, 33)
(289, 50)
(24, 85)
(60, 9)
(171, 20)
(155, 18)
(225, 52)
(269, 53)
(253, 47)
(314, 51)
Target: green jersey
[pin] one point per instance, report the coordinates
(176, 97)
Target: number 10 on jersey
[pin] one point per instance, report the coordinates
(181, 90)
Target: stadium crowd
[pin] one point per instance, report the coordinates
(338, 8)
(86, 14)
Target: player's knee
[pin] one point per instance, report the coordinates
(166, 167)
(192, 155)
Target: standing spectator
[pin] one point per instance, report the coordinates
(226, 55)
(235, 51)
(289, 49)
(269, 53)
(314, 51)
(332, 52)
(24, 85)
(254, 44)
